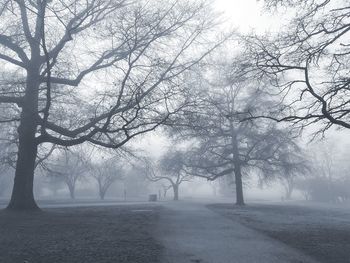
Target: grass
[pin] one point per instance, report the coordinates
(321, 233)
(113, 234)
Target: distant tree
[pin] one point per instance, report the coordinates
(135, 182)
(6, 154)
(293, 164)
(328, 179)
(171, 168)
(70, 166)
(54, 184)
(106, 173)
(165, 188)
(303, 185)
(7, 147)
(227, 185)
(96, 71)
(6, 180)
(306, 62)
(341, 189)
(324, 157)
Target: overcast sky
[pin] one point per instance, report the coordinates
(245, 14)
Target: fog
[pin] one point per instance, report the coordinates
(174, 131)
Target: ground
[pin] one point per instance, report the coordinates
(176, 232)
(80, 235)
(321, 231)
(190, 232)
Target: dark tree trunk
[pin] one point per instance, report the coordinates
(237, 169)
(176, 192)
(22, 194)
(239, 185)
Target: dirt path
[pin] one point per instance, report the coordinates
(192, 233)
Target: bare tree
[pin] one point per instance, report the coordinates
(224, 143)
(307, 64)
(293, 164)
(106, 173)
(165, 188)
(96, 71)
(70, 166)
(324, 168)
(171, 168)
(328, 178)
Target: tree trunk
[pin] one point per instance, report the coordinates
(102, 195)
(289, 192)
(165, 192)
(71, 191)
(289, 188)
(22, 194)
(176, 192)
(102, 189)
(237, 166)
(239, 185)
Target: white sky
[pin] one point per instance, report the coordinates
(245, 14)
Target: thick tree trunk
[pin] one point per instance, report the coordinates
(239, 185)
(22, 194)
(176, 192)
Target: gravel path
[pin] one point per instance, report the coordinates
(190, 232)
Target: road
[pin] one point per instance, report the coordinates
(192, 233)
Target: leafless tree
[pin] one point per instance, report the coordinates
(307, 63)
(70, 166)
(224, 143)
(106, 173)
(293, 164)
(171, 168)
(96, 71)
(165, 188)
(328, 178)
(6, 158)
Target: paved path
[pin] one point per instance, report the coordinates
(191, 233)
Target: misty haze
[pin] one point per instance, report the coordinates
(174, 131)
